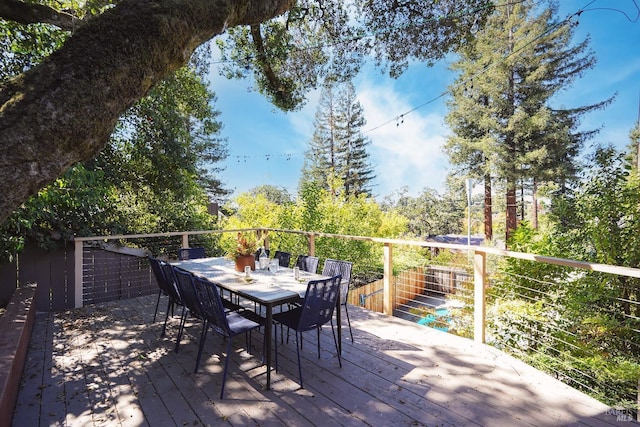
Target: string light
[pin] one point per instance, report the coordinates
(240, 158)
(399, 119)
(632, 20)
(463, 83)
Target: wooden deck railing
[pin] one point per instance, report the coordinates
(478, 255)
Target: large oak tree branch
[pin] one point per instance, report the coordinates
(31, 13)
(276, 86)
(63, 111)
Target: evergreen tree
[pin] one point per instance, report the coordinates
(355, 170)
(338, 150)
(320, 158)
(504, 126)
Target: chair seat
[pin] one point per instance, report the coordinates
(289, 318)
(239, 324)
(253, 316)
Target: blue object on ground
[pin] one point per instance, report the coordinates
(430, 318)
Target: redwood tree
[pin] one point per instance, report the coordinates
(505, 126)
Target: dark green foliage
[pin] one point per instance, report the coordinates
(317, 42)
(577, 324)
(155, 174)
(79, 203)
(25, 47)
(429, 213)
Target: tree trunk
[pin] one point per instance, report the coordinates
(523, 205)
(488, 218)
(534, 207)
(62, 111)
(512, 211)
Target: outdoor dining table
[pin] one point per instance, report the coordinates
(264, 287)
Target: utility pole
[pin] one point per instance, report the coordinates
(469, 182)
(638, 147)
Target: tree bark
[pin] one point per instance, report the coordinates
(512, 211)
(30, 13)
(534, 207)
(488, 209)
(62, 111)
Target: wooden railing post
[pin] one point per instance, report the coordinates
(264, 235)
(78, 285)
(479, 303)
(312, 244)
(388, 301)
(185, 240)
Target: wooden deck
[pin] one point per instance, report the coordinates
(107, 365)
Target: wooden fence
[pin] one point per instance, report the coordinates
(369, 296)
(408, 285)
(107, 275)
(113, 275)
(52, 271)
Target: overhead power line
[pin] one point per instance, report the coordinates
(399, 119)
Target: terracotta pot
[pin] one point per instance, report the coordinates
(244, 260)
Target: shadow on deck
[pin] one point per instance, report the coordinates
(108, 365)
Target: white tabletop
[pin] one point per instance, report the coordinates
(263, 286)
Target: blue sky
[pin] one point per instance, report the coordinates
(266, 146)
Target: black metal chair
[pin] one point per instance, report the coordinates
(316, 310)
(334, 267)
(225, 324)
(307, 263)
(284, 258)
(191, 253)
(175, 299)
(184, 280)
(162, 284)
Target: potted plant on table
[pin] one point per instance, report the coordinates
(246, 246)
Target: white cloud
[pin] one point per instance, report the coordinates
(407, 151)
(301, 122)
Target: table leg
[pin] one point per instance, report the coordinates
(339, 322)
(268, 326)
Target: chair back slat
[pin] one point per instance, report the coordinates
(172, 286)
(307, 263)
(319, 302)
(156, 267)
(333, 267)
(191, 253)
(184, 280)
(212, 307)
(284, 258)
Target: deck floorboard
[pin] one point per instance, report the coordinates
(107, 364)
